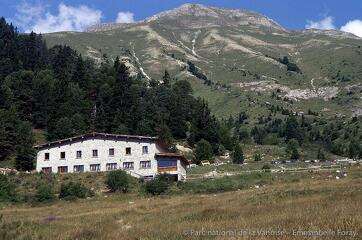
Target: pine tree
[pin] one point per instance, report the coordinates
(9, 53)
(8, 133)
(292, 129)
(203, 151)
(204, 126)
(117, 64)
(320, 155)
(182, 88)
(165, 135)
(62, 128)
(42, 94)
(166, 79)
(230, 122)
(295, 154)
(353, 149)
(237, 154)
(24, 160)
(292, 149)
(21, 85)
(225, 137)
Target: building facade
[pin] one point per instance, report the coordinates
(140, 156)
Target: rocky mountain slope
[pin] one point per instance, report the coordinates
(236, 59)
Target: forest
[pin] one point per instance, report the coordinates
(59, 91)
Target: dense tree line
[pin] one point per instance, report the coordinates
(59, 91)
(339, 137)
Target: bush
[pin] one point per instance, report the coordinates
(159, 185)
(44, 193)
(118, 181)
(72, 190)
(292, 149)
(257, 157)
(266, 168)
(7, 190)
(295, 154)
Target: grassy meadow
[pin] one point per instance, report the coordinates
(235, 206)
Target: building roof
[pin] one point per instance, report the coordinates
(173, 155)
(93, 135)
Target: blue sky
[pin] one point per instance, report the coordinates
(52, 15)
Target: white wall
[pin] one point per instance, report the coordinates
(103, 145)
(87, 146)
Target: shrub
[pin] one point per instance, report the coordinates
(292, 149)
(295, 154)
(118, 181)
(266, 168)
(74, 190)
(7, 190)
(257, 157)
(44, 193)
(159, 185)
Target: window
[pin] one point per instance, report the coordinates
(111, 166)
(167, 165)
(95, 153)
(128, 165)
(62, 155)
(128, 151)
(46, 156)
(62, 169)
(46, 170)
(95, 167)
(145, 164)
(145, 149)
(79, 154)
(78, 168)
(111, 152)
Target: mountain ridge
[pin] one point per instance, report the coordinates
(195, 10)
(209, 11)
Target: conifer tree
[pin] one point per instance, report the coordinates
(166, 79)
(203, 151)
(237, 154)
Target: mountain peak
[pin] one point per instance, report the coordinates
(201, 16)
(196, 16)
(197, 10)
(192, 6)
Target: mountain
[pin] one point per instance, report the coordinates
(236, 59)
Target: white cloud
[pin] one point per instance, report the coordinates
(35, 17)
(354, 27)
(326, 23)
(125, 17)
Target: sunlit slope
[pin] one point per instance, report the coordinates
(240, 53)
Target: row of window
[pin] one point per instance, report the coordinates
(97, 167)
(111, 151)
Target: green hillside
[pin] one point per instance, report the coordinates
(244, 59)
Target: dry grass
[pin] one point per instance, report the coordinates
(318, 203)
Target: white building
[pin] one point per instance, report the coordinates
(140, 156)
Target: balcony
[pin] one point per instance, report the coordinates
(167, 169)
